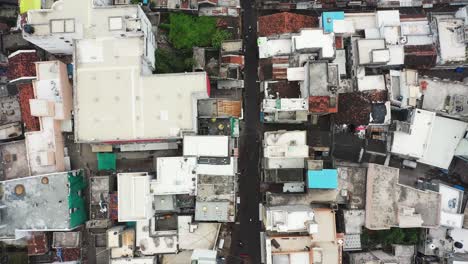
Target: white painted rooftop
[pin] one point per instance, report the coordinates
(175, 175)
(116, 97)
(52, 104)
(433, 139)
(114, 102)
(273, 47)
(371, 82)
(134, 199)
(451, 45)
(215, 169)
(315, 40)
(287, 219)
(206, 146)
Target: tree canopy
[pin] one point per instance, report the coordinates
(187, 31)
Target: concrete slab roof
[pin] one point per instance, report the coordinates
(112, 93)
(14, 164)
(42, 205)
(202, 237)
(390, 204)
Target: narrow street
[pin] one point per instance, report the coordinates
(246, 236)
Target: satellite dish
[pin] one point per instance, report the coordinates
(403, 40)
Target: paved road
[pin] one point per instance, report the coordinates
(248, 231)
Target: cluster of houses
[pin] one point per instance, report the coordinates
(363, 125)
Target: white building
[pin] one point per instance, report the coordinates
(306, 41)
(204, 256)
(451, 200)
(285, 149)
(430, 139)
(206, 146)
(320, 247)
(315, 40)
(39, 203)
(229, 169)
(196, 235)
(134, 199)
(451, 39)
(175, 175)
(286, 144)
(270, 47)
(285, 110)
(53, 106)
(120, 242)
(139, 260)
(288, 219)
(151, 241)
(116, 97)
(404, 88)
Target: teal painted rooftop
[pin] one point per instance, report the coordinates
(328, 18)
(322, 179)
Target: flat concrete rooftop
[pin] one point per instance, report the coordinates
(43, 205)
(385, 199)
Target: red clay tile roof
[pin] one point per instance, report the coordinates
(284, 23)
(280, 72)
(71, 254)
(233, 59)
(339, 42)
(273, 68)
(355, 108)
(321, 105)
(37, 244)
(22, 65)
(31, 123)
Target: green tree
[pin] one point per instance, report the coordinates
(218, 37)
(385, 238)
(187, 31)
(168, 61)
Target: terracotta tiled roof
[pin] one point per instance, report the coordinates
(284, 23)
(355, 108)
(31, 123)
(339, 42)
(37, 244)
(22, 65)
(71, 254)
(233, 59)
(321, 105)
(273, 68)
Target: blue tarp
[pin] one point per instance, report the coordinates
(327, 20)
(322, 179)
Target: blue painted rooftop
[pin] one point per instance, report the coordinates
(322, 179)
(328, 17)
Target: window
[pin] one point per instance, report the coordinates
(115, 23)
(62, 26)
